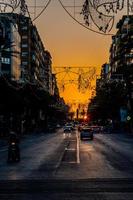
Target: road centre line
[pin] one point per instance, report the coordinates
(78, 156)
(70, 149)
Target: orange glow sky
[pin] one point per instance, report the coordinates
(71, 45)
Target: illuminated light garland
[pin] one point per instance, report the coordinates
(96, 15)
(101, 13)
(42, 11)
(73, 16)
(8, 5)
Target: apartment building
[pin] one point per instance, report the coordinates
(10, 58)
(121, 51)
(35, 61)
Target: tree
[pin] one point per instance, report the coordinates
(110, 97)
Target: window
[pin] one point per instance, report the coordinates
(24, 45)
(24, 54)
(33, 57)
(6, 61)
(24, 28)
(24, 36)
(25, 63)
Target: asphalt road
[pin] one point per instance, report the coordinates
(60, 166)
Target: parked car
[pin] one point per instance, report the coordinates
(86, 133)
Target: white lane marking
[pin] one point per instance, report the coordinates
(78, 156)
(72, 162)
(72, 140)
(70, 149)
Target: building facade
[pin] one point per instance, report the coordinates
(35, 62)
(121, 51)
(10, 49)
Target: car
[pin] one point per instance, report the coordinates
(86, 133)
(97, 129)
(67, 129)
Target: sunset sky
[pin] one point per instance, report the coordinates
(72, 45)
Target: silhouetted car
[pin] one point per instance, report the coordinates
(96, 129)
(86, 133)
(67, 129)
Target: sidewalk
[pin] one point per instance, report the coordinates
(4, 142)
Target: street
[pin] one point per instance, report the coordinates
(66, 104)
(60, 166)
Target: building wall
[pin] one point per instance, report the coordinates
(36, 61)
(11, 52)
(121, 51)
(25, 32)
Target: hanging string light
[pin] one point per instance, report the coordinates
(101, 13)
(8, 5)
(96, 15)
